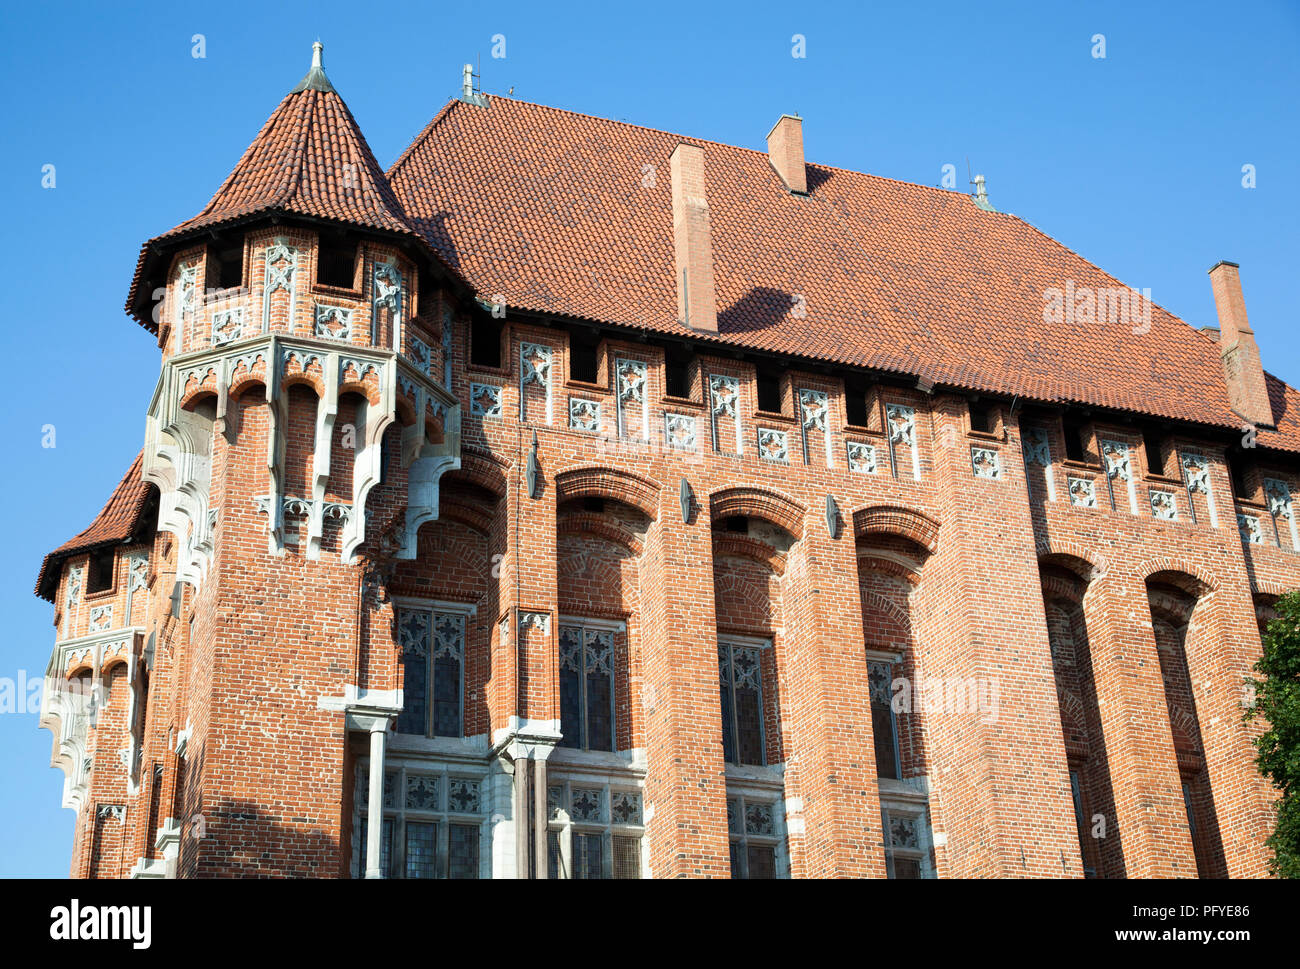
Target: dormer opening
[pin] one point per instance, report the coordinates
(584, 356)
(855, 405)
(768, 382)
(100, 577)
(485, 341)
(228, 264)
(1073, 429)
(983, 420)
(336, 263)
(677, 372)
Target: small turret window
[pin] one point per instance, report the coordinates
(101, 571)
(337, 263)
(228, 265)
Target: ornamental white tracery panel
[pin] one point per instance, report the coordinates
(227, 325)
(484, 400)
(333, 322)
(861, 457)
(280, 273)
(187, 285)
(1083, 492)
(900, 422)
(535, 368)
(631, 379)
(584, 414)
(773, 445)
(814, 405)
(724, 404)
(1037, 448)
(1196, 476)
(387, 292)
(679, 431)
(1163, 505)
(1277, 495)
(985, 462)
(1119, 467)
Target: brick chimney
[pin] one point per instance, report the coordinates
(1242, 369)
(693, 240)
(785, 150)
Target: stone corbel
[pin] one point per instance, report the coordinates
(426, 462)
(367, 467)
(178, 460)
(275, 445)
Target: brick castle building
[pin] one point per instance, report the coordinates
(576, 499)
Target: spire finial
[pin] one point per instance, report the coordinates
(315, 79)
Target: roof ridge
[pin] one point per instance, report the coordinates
(423, 133)
(952, 193)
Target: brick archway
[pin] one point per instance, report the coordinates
(896, 520)
(1174, 570)
(771, 506)
(480, 468)
(595, 482)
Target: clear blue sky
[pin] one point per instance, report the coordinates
(1133, 161)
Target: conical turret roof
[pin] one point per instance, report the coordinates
(310, 159)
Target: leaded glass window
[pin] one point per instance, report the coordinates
(740, 684)
(593, 831)
(587, 687)
(385, 846)
(752, 827)
(1081, 824)
(433, 658)
(432, 824)
(907, 842)
(884, 722)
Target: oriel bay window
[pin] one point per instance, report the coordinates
(432, 640)
(587, 667)
(740, 682)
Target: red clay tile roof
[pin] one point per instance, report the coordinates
(309, 159)
(119, 520)
(552, 210)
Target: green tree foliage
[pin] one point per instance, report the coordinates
(1277, 701)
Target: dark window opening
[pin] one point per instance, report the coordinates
(1153, 443)
(229, 266)
(1081, 825)
(593, 504)
(426, 293)
(1073, 440)
(583, 357)
(485, 341)
(101, 571)
(1237, 471)
(337, 264)
(855, 406)
(982, 418)
(769, 391)
(737, 523)
(677, 374)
